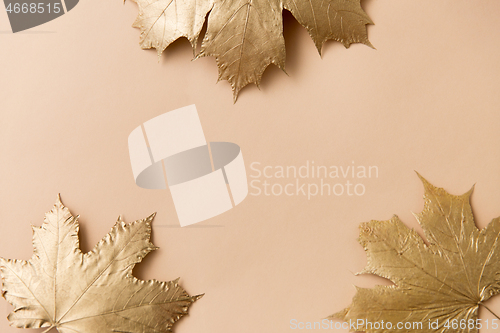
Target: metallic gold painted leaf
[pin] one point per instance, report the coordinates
(448, 278)
(163, 21)
(246, 36)
(340, 20)
(61, 287)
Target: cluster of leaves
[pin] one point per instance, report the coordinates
(246, 36)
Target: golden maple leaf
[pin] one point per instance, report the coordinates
(246, 36)
(64, 288)
(440, 285)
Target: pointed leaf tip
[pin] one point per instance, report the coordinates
(151, 217)
(470, 191)
(225, 24)
(419, 175)
(426, 183)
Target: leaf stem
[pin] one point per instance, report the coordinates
(487, 308)
(48, 329)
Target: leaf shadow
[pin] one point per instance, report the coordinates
(83, 239)
(181, 46)
(177, 49)
(141, 269)
(365, 4)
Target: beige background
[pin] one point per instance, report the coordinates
(427, 99)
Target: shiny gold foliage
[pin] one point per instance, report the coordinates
(441, 283)
(61, 287)
(246, 36)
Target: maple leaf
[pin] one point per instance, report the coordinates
(442, 282)
(246, 36)
(64, 288)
